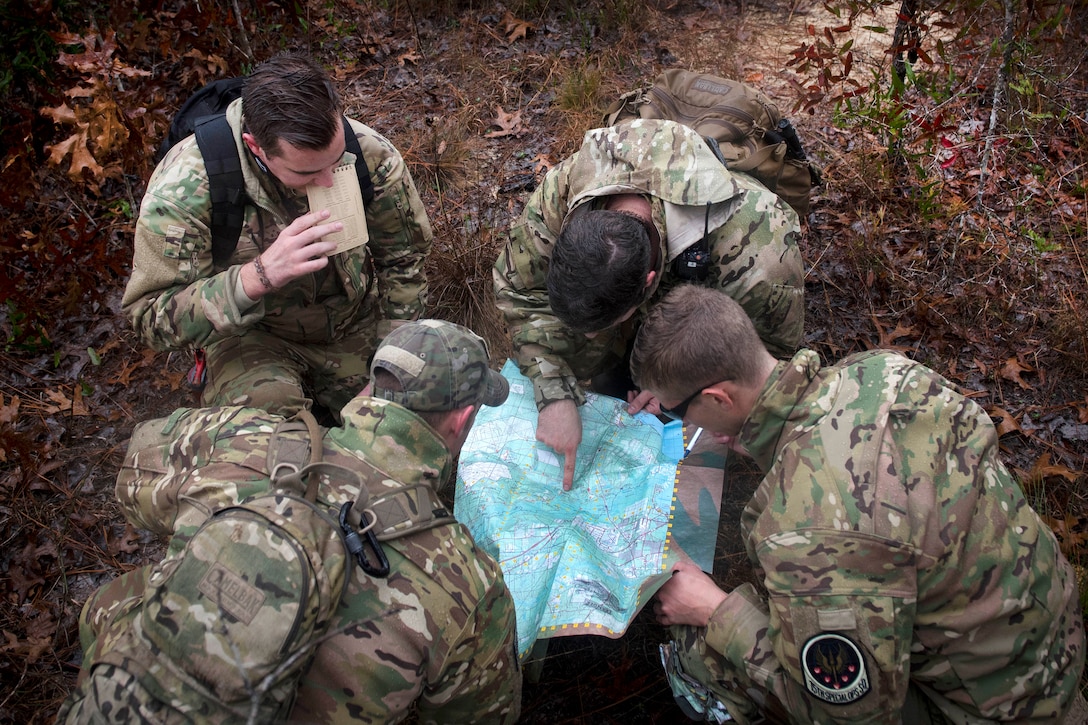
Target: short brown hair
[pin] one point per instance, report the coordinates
(290, 98)
(693, 338)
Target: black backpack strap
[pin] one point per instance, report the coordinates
(366, 186)
(226, 185)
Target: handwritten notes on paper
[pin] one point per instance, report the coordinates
(345, 204)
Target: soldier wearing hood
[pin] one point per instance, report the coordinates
(641, 207)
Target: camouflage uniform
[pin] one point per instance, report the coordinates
(437, 636)
(904, 570)
(753, 247)
(319, 328)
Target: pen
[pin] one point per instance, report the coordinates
(694, 437)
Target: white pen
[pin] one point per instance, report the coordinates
(694, 437)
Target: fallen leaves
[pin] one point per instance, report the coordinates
(509, 124)
(1072, 532)
(99, 125)
(1003, 420)
(58, 401)
(514, 27)
(1013, 369)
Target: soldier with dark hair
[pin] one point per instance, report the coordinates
(907, 580)
(286, 320)
(641, 207)
(435, 636)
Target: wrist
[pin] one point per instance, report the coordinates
(262, 275)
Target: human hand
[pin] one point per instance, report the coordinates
(298, 250)
(560, 427)
(642, 400)
(731, 442)
(689, 597)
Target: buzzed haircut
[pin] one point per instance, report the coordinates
(290, 98)
(695, 337)
(598, 269)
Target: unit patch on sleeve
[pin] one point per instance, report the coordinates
(834, 669)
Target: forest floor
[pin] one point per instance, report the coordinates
(901, 250)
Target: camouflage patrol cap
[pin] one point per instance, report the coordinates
(441, 366)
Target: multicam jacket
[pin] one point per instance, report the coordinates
(437, 635)
(753, 246)
(897, 551)
(177, 299)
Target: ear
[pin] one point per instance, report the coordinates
(459, 420)
(650, 277)
(723, 395)
(251, 144)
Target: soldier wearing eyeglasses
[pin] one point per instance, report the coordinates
(906, 579)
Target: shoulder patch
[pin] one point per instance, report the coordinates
(834, 669)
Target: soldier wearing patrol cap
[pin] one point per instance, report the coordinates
(436, 635)
(641, 207)
(906, 578)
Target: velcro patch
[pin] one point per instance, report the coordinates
(834, 669)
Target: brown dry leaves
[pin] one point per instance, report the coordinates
(509, 124)
(514, 27)
(99, 124)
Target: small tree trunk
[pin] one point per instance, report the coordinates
(999, 92)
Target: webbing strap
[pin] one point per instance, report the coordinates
(295, 462)
(351, 141)
(226, 185)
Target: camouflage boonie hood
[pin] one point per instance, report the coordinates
(660, 158)
(440, 366)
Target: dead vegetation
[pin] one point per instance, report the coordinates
(909, 245)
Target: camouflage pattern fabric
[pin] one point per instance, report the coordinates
(226, 626)
(178, 300)
(436, 637)
(754, 257)
(899, 556)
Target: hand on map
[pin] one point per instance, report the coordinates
(689, 597)
(642, 400)
(560, 427)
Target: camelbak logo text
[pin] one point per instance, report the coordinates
(233, 594)
(709, 86)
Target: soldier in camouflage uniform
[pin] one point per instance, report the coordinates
(448, 650)
(907, 579)
(602, 239)
(285, 310)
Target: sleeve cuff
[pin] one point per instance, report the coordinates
(241, 300)
(737, 625)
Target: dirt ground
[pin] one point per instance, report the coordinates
(481, 106)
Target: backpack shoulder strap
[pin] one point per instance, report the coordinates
(226, 185)
(366, 186)
(392, 512)
(291, 449)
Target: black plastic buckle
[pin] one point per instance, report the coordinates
(357, 547)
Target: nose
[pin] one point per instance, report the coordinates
(591, 335)
(324, 178)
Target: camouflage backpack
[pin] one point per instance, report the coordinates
(229, 622)
(742, 125)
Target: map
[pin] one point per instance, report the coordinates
(582, 561)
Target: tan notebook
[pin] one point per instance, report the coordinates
(345, 204)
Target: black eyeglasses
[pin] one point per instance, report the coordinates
(678, 411)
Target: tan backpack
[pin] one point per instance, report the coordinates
(750, 133)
